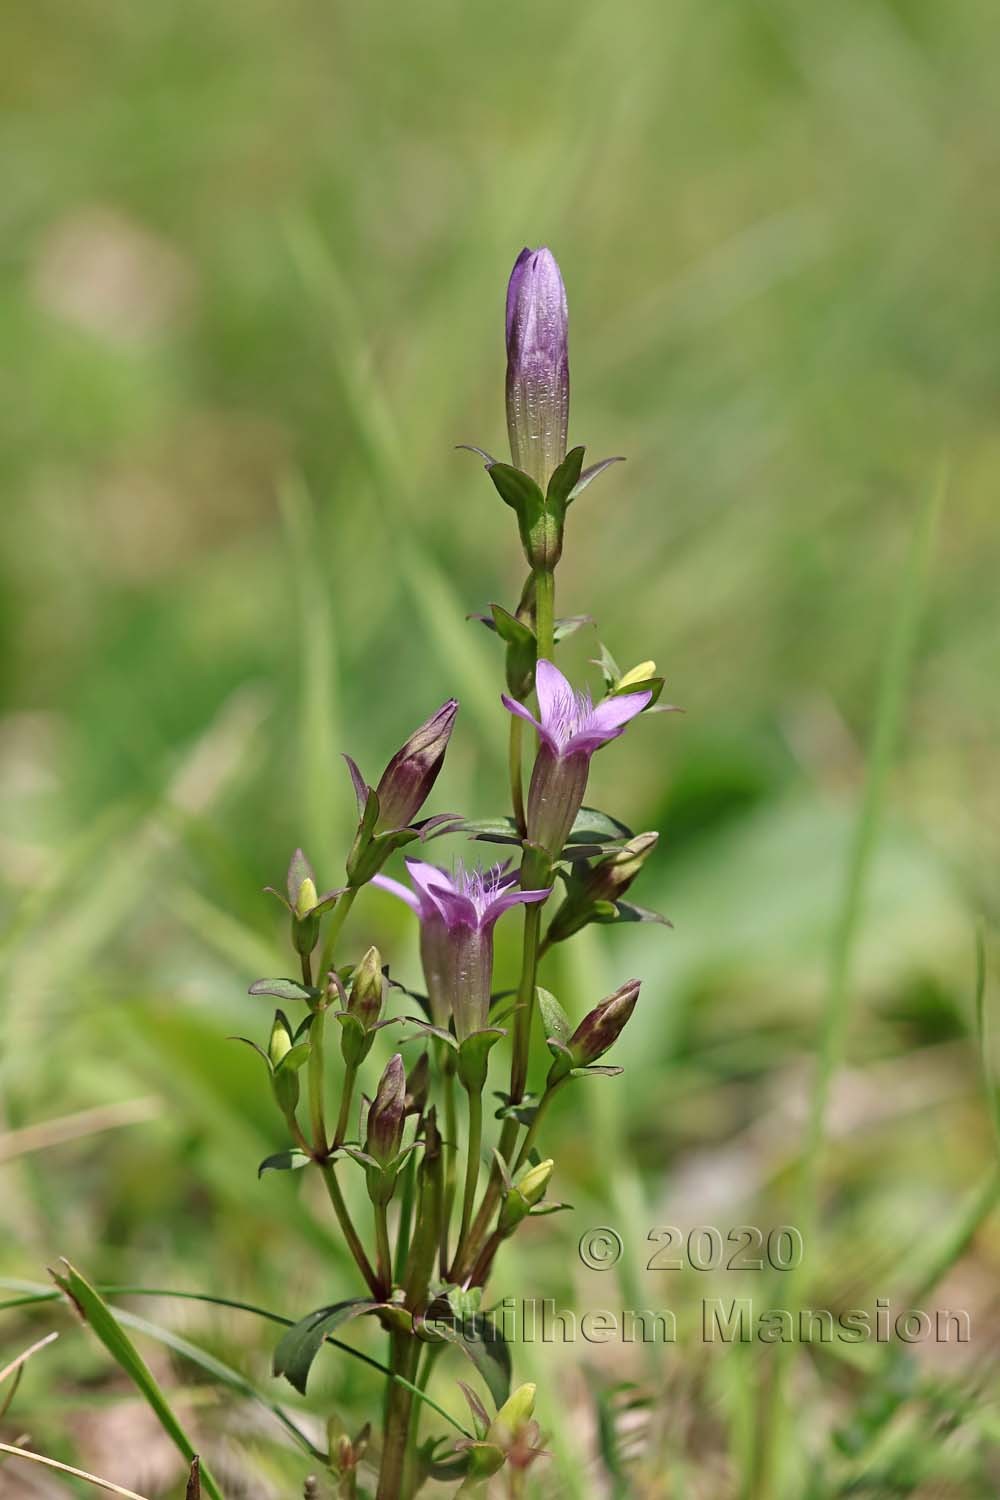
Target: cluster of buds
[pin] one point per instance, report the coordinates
(408, 1162)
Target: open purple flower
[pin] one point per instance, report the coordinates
(570, 728)
(457, 915)
(537, 364)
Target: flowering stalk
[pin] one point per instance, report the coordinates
(409, 1274)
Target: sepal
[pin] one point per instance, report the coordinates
(473, 1057)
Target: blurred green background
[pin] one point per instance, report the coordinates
(254, 258)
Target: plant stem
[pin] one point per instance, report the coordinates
(347, 1226)
(514, 761)
(383, 1255)
(472, 1153)
(395, 1440)
(451, 1152)
(317, 1081)
(337, 919)
(405, 1215)
(347, 1094)
(518, 1078)
(545, 609)
(529, 1139)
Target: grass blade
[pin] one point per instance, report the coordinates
(95, 1311)
(52, 1463)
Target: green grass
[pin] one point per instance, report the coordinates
(250, 299)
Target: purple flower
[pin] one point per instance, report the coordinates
(537, 365)
(570, 728)
(457, 915)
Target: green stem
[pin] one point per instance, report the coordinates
(421, 1380)
(472, 1154)
(383, 1254)
(347, 1094)
(405, 1215)
(514, 762)
(395, 1438)
(451, 1152)
(529, 1139)
(317, 1080)
(545, 610)
(518, 1078)
(347, 1227)
(337, 919)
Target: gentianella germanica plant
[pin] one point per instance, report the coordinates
(439, 1215)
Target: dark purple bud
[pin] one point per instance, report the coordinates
(537, 364)
(407, 779)
(602, 1027)
(385, 1117)
(365, 1000)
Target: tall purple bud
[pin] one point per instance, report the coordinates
(537, 364)
(387, 1112)
(602, 1027)
(407, 779)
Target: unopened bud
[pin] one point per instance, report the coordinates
(365, 1000)
(515, 1413)
(591, 896)
(407, 779)
(537, 365)
(527, 1191)
(280, 1041)
(306, 898)
(385, 1117)
(601, 1028)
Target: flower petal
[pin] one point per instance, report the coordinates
(556, 699)
(396, 888)
(523, 713)
(506, 899)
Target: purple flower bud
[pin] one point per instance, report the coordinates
(570, 729)
(602, 1027)
(385, 1117)
(537, 365)
(407, 779)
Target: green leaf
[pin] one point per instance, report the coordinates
(492, 830)
(589, 474)
(518, 491)
(481, 1341)
(591, 825)
(95, 1311)
(627, 911)
(565, 478)
(512, 630)
(294, 1058)
(284, 1161)
(473, 1057)
(298, 1347)
(284, 989)
(555, 1020)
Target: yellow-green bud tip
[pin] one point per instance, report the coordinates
(534, 1181)
(306, 898)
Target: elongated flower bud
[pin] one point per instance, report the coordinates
(385, 1118)
(537, 364)
(365, 999)
(602, 1027)
(407, 779)
(591, 896)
